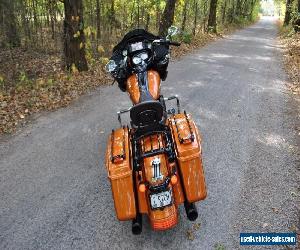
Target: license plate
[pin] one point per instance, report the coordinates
(161, 199)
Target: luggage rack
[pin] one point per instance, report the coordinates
(172, 111)
(191, 137)
(139, 150)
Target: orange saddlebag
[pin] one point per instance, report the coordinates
(120, 173)
(188, 150)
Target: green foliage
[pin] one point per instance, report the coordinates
(23, 80)
(286, 31)
(186, 37)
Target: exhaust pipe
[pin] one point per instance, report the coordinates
(137, 225)
(191, 211)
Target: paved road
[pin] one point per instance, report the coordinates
(54, 192)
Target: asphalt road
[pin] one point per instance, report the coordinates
(54, 191)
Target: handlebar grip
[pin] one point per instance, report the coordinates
(175, 44)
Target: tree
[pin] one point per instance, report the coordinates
(288, 12)
(184, 15)
(10, 25)
(98, 14)
(195, 17)
(212, 19)
(167, 18)
(296, 22)
(74, 39)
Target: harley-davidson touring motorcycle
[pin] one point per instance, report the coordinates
(154, 164)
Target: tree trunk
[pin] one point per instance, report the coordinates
(35, 21)
(10, 25)
(138, 14)
(112, 16)
(184, 13)
(158, 16)
(195, 17)
(296, 23)
(224, 12)
(52, 17)
(167, 18)
(147, 21)
(98, 21)
(287, 17)
(74, 38)
(238, 7)
(212, 19)
(25, 22)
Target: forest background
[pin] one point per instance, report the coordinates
(52, 51)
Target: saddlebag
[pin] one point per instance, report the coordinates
(120, 173)
(188, 151)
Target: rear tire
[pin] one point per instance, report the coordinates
(191, 211)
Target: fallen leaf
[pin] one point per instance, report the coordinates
(196, 226)
(293, 228)
(265, 225)
(190, 235)
(219, 246)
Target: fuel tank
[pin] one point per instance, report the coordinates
(133, 88)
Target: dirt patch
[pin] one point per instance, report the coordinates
(290, 42)
(31, 82)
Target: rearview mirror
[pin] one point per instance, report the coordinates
(172, 31)
(111, 66)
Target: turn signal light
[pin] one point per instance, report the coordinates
(142, 188)
(174, 179)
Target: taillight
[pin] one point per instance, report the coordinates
(142, 188)
(174, 179)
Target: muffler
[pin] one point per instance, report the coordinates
(191, 211)
(137, 225)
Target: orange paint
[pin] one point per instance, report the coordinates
(174, 179)
(133, 89)
(120, 174)
(142, 188)
(189, 156)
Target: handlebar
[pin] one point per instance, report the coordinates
(166, 42)
(177, 44)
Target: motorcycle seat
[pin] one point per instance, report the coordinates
(146, 113)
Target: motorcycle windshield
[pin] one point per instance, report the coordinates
(133, 36)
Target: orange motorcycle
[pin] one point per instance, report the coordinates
(154, 164)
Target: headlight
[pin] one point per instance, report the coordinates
(144, 56)
(136, 60)
(139, 58)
